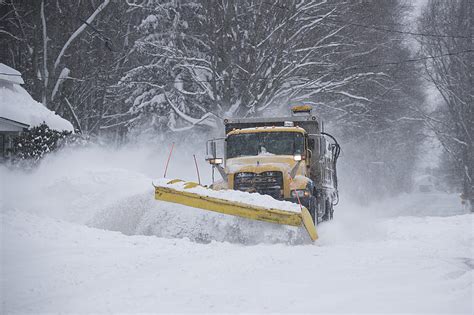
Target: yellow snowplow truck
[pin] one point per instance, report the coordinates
(288, 158)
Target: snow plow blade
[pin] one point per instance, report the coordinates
(189, 197)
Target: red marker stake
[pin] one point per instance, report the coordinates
(167, 162)
(197, 169)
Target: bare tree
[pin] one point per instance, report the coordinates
(200, 60)
(70, 53)
(452, 23)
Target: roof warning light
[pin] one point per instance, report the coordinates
(302, 109)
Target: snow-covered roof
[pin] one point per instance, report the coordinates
(16, 104)
(10, 75)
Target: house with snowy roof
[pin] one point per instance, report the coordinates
(19, 111)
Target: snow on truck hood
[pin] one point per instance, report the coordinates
(261, 163)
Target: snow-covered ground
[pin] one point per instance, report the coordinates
(83, 234)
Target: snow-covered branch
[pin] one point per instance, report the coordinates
(62, 76)
(45, 54)
(79, 31)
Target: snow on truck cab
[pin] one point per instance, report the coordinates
(264, 163)
(288, 158)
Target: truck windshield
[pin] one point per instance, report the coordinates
(265, 143)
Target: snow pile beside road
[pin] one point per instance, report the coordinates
(143, 215)
(49, 265)
(421, 204)
(75, 196)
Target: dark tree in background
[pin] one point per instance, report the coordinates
(69, 52)
(381, 132)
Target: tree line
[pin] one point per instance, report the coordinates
(166, 67)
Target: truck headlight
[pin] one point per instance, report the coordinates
(297, 157)
(244, 175)
(270, 173)
(300, 193)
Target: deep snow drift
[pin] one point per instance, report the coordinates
(60, 252)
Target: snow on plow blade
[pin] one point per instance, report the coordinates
(231, 202)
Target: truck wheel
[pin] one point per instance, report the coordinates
(328, 211)
(331, 211)
(325, 213)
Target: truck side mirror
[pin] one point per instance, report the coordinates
(214, 161)
(211, 156)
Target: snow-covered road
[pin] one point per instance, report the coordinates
(61, 252)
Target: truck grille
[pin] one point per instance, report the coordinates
(266, 183)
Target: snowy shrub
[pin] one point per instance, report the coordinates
(34, 143)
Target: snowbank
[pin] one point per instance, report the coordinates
(52, 266)
(59, 254)
(16, 104)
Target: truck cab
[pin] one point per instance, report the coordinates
(288, 158)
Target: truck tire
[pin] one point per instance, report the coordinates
(328, 211)
(313, 209)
